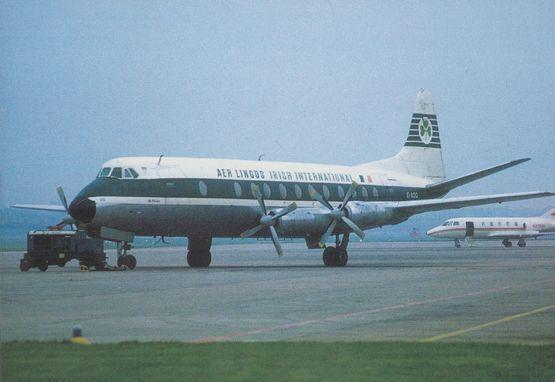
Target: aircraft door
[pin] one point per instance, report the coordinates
(469, 229)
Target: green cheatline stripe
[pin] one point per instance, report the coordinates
(220, 188)
(416, 133)
(419, 115)
(431, 145)
(414, 125)
(417, 139)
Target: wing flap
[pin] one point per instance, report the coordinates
(513, 234)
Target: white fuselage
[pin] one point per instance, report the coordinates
(195, 196)
(489, 228)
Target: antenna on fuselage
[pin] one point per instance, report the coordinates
(260, 157)
(160, 159)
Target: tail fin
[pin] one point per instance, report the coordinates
(421, 155)
(549, 214)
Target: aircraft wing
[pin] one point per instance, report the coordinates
(42, 207)
(516, 234)
(426, 205)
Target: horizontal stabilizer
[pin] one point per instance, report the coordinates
(448, 185)
(419, 206)
(41, 207)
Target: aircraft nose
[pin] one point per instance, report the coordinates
(431, 232)
(82, 209)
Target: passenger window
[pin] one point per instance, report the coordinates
(237, 189)
(298, 191)
(507, 224)
(364, 193)
(104, 172)
(326, 191)
(516, 224)
(340, 192)
(116, 173)
(202, 188)
(282, 191)
(267, 191)
(483, 224)
(491, 224)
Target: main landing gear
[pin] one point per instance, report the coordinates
(457, 243)
(199, 255)
(123, 257)
(507, 243)
(337, 256)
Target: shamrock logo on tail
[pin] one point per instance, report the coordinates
(425, 130)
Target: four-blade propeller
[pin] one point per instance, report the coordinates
(67, 219)
(338, 214)
(268, 219)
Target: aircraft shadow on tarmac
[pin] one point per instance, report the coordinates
(284, 267)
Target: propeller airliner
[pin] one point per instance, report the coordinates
(206, 198)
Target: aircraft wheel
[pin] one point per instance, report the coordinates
(507, 243)
(199, 259)
(43, 266)
(24, 266)
(457, 243)
(330, 257)
(130, 261)
(100, 266)
(521, 243)
(342, 258)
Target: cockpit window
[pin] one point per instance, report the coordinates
(129, 173)
(104, 172)
(116, 173)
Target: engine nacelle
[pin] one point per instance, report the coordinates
(305, 222)
(369, 215)
(302, 222)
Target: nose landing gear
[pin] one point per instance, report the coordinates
(337, 256)
(123, 258)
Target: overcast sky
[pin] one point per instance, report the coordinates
(311, 81)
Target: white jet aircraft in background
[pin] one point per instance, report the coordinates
(496, 228)
(201, 198)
